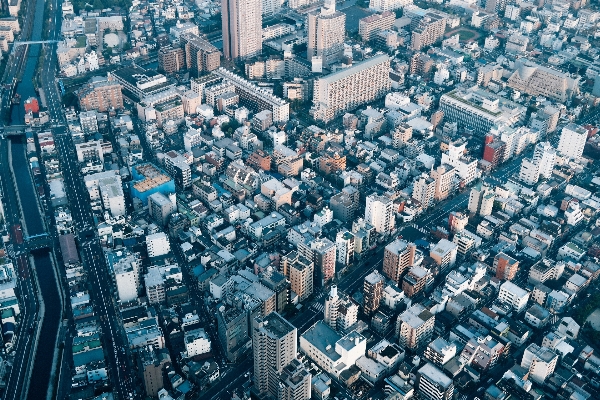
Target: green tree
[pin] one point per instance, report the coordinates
(98, 5)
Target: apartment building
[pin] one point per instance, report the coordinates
(300, 271)
(433, 384)
(427, 30)
(326, 33)
(398, 257)
(444, 254)
(572, 141)
(513, 296)
(100, 95)
(424, 190)
(255, 98)
(372, 292)
(379, 212)
(464, 165)
(415, 327)
(505, 267)
(274, 346)
(350, 88)
(539, 361)
(171, 59)
(445, 181)
(200, 55)
(481, 199)
(369, 27)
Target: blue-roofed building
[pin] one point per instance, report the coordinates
(149, 179)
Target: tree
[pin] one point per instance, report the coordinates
(98, 5)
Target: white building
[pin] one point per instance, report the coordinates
(466, 166)
(196, 342)
(344, 243)
(388, 5)
(323, 217)
(514, 296)
(157, 244)
(572, 141)
(126, 271)
(540, 361)
(331, 351)
(379, 212)
(444, 254)
(541, 164)
(191, 138)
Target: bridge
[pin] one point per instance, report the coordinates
(18, 43)
(13, 130)
(38, 242)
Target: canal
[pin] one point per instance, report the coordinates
(49, 286)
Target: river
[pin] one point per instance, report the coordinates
(49, 286)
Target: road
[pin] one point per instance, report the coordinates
(94, 262)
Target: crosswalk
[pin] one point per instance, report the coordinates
(420, 229)
(318, 307)
(10, 250)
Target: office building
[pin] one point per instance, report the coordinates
(126, 269)
(200, 55)
(539, 361)
(100, 94)
(242, 28)
(433, 384)
(513, 296)
(139, 83)
(444, 254)
(160, 207)
(89, 151)
(572, 141)
(537, 80)
(415, 327)
(480, 109)
(331, 351)
(171, 59)
(274, 345)
(111, 193)
(232, 329)
(424, 190)
(326, 30)
(398, 257)
(369, 27)
(388, 5)
(372, 292)
(481, 199)
(254, 98)
(343, 205)
(350, 88)
(505, 266)
(300, 272)
(379, 212)
(427, 30)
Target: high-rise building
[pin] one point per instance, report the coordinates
(433, 384)
(388, 5)
(372, 292)
(322, 252)
(232, 329)
(445, 181)
(415, 327)
(151, 362)
(424, 190)
(572, 141)
(171, 59)
(444, 254)
(344, 243)
(540, 164)
(351, 87)
(465, 166)
(274, 344)
(177, 166)
(300, 271)
(100, 95)
(339, 312)
(481, 199)
(415, 281)
(331, 307)
(398, 257)
(242, 28)
(200, 55)
(379, 212)
(326, 32)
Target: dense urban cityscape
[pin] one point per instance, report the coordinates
(303, 199)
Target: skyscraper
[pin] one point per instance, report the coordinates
(274, 342)
(379, 212)
(326, 31)
(242, 28)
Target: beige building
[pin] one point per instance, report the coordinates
(398, 257)
(415, 327)
(299, 270)
(242, 28)
(100, 95)
(369, 26)
(445, 181)
(537, 80)
(428, 30)
(424, 190)
(200, 55)
(171, 59)
(350, 88)
(326, 32)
